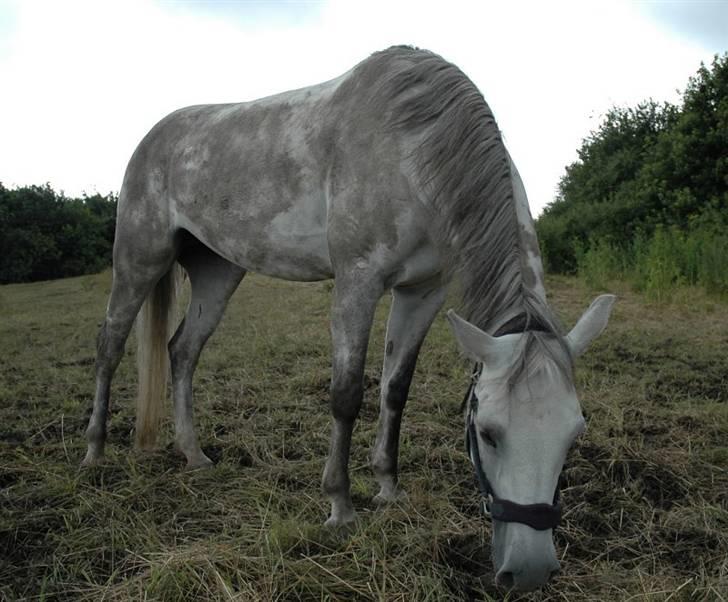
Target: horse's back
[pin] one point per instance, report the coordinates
(280, 184)
(247, 179)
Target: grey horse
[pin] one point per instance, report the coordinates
(392, 177)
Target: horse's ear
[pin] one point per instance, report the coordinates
(591, 324)
(480, 346)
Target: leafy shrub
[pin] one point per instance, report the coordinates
(45, 235)
(647, 197)
(601, 262)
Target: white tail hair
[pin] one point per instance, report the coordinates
(154, 326)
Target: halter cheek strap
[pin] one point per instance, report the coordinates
(537, 516)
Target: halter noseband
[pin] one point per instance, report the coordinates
(537, 516)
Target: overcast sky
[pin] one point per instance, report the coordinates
(83, 82)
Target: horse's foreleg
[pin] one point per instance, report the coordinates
(355, 300)
(213, 281)
(410, 317)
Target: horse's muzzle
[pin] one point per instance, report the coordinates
(525, 558)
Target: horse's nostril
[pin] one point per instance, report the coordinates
(505, 580)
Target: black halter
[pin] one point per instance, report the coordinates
(538, 516)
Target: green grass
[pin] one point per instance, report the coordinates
(645, 489)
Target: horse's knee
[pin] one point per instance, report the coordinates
(394, 394)
(396, 381)
(346, 398)
(182, 355)
(178, 357)
(109, 347)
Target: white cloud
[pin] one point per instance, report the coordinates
(86, 80)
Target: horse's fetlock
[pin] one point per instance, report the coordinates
(334, 484)
(383, 464)
(95, 433)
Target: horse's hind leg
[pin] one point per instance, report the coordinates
(213, 281)
(131, 284)
(355, 299)
(410, 317)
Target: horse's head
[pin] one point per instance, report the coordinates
(523, 416)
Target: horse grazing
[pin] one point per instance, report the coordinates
(393, 177)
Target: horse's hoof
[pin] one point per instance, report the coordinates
(341, 521)
(388, 500)
(91, 460)
(200, 463)
(390, 495)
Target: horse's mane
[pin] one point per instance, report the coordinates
(465, 171)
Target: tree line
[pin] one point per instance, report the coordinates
(46, 235)
(647, 198)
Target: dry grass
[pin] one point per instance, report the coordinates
(645, 489)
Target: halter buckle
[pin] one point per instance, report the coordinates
(485, 503)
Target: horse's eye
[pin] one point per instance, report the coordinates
(488, 438)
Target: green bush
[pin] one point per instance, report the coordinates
(647, 197)
(663, 263)
(601, 262)
(45, 235)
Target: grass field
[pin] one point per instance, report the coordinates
(645, 489)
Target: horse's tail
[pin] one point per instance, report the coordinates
(153, 331)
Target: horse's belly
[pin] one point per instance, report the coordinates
(282, 242)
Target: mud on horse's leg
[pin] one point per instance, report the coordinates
(109, 350)
(355, 299)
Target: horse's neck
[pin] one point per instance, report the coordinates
(514, 318)
(532, 267)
